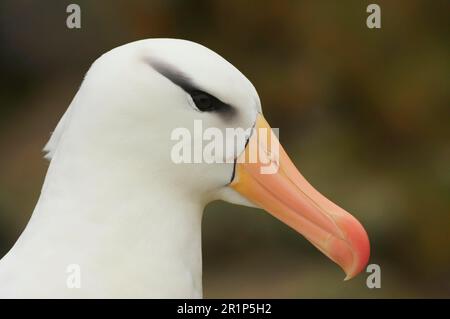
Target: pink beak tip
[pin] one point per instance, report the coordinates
(359, 241)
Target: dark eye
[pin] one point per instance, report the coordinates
(203, 101)
(206, 102)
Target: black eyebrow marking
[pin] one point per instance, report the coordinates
(175, 76)
(180, 79)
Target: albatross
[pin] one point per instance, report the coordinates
(114, 202)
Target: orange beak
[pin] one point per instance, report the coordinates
(266, 176)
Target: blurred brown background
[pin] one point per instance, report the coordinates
(364, 114)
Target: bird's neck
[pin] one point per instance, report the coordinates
(130, 235)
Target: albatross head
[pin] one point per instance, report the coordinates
(145, 105)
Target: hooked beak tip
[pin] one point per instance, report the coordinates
(358, 244)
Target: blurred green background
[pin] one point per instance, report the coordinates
(364, 113)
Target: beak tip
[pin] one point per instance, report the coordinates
(347, 277)
(360, 246)
(352, 251)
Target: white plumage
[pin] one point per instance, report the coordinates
(112, 201)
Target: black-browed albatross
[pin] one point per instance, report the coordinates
(115, 203)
